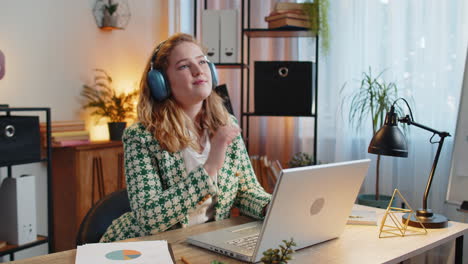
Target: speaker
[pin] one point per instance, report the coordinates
(284, 88)
(18, 202)
(19, 140)
(159, 84)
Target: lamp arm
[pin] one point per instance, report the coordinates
(409, 121)
(442, 135)
(431, 175)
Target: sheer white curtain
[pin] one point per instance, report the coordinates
(422, 46)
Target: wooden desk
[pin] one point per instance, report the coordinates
(357, 244)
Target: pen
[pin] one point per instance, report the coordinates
(184, 260)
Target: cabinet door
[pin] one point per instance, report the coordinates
(100, 173)
(81, 176)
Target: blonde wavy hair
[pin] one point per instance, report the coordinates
(166, 120)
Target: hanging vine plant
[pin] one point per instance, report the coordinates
(318, 21)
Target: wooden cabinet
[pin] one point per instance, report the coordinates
(81, 176)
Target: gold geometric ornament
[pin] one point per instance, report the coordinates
(399, 228)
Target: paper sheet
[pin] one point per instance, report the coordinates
(124, 252)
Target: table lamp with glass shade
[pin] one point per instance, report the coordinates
(390, 141)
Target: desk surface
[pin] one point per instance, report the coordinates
(357, 244)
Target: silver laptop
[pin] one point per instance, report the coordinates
(310, 204)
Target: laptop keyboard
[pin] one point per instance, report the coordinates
(247, 242)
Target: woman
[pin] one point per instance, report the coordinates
(185, 161)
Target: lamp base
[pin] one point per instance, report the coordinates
(427, 218)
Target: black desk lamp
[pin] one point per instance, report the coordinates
(390, 141)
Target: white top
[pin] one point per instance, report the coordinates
(206, 211)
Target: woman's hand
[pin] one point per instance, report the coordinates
(219, 143)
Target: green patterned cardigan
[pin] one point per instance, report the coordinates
(162, 193)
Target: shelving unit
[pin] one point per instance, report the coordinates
(11, 249)
(246, 65)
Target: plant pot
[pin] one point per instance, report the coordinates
(369, 200)
(116, 130)
(110, 20)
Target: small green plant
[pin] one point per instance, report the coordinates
(300, 159)
(111, 8)
(279, 255)
(105, 102)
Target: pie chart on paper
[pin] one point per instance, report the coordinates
(125, 254)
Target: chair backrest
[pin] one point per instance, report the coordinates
(101, 215)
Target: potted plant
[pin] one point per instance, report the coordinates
(300, 159)
(108, 18)
(373, 98)
(281, 255)
(106, 103)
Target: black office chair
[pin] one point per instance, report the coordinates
(101, 215)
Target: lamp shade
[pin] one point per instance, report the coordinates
(389, 140)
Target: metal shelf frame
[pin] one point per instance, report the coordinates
(11, 249)
(247, 33)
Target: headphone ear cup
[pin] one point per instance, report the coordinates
(214, 74)
(158, 85)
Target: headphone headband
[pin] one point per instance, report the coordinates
(155, 55)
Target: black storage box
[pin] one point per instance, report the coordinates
(19, 140)
(284, 88)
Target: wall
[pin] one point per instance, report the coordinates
(51, 48)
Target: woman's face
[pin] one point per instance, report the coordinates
(189, 74)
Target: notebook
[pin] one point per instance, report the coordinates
(310, 204)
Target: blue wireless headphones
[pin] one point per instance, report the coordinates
(159, 84)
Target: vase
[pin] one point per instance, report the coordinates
(116, 130)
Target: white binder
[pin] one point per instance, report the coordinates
(229, 31)
(211, 33)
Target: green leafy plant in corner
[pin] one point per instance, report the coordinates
(317, 11)
(300, 159)
(279, 255)
(111, 8)
(373, 98)
(105, 102)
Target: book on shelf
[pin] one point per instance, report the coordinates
(294, 15)
(65, 133)
(82, 137)
(362, 217)
(288, 22)
(289, 6)
(70, 133)
(63, 126)
(69, 143)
